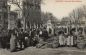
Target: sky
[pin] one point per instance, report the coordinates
(61, 9)
(58, 9)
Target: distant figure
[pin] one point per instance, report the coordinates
(71, 39)
(45, 34)
(21, 39)
(50, 31)
(27, 40)
(33, 37)
(61, 38)
(40, 33)
(80, 39)
(80, 36)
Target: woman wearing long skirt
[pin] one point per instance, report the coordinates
(70, 41)
(61, 39)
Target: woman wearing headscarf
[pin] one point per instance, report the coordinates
(61, 38)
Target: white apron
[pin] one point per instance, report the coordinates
(70, 40)
(61, 40)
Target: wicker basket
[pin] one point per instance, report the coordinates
(81, 45)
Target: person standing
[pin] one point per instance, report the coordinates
(40, 33)
(45, 34)
(27, 41)
(80, 39)
(61, 38)
(21, 39)
(71, 39)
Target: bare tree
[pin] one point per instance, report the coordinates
(77, 14)
(48, 16)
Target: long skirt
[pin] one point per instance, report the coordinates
(61, 40)
(70, 41)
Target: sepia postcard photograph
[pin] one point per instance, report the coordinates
(42, 27)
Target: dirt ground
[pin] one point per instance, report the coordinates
(47, 51)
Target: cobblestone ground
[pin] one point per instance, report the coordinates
(47, 51)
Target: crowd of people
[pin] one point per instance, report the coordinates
(36, 36)
(72, 39)
(28, 37)
(33, 37)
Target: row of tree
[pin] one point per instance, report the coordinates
(76, 16)
(30, 15)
